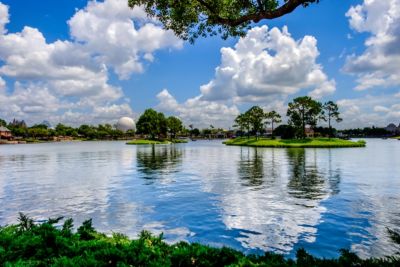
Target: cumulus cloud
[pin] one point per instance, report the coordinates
(108, 29)
(198, 111)
(263, 68)
(379, 64)
(268, 63)
(4, 17)
(68, 80)
(2, 84)
(369, 111)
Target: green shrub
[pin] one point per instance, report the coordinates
(30, 244)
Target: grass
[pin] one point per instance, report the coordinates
(155, 142)
(310, 142)
(54, 243)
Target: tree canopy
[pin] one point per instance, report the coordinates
(3, 122)
(152, 123)
(304, 111)
(331, 112)
(190, 19)
(272, 118)
(174, 126)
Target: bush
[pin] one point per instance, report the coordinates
(30, 244)
(285, 131)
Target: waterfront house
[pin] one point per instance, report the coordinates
(5, 133)
(309, 132)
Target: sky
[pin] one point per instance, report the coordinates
(79, 61)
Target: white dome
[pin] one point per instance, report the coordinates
(125, 123)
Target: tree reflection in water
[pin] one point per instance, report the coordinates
(333, 176)
(154, 160)
(251, 167)
(305, 181)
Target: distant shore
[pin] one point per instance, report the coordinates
(295, 143)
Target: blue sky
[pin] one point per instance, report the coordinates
(70, 61)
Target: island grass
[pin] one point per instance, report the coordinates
(305, 143)
(155, 142)
(53, 243)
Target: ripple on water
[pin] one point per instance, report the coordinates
(251, 199)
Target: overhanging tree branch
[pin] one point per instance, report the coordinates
(190, 19)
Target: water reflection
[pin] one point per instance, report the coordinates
(154, 160)
(247, 198)
(305, 181)
(251, 167)
(334, 176)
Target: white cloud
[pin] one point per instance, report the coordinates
(68, 80)
(265, 67)
(326, 88)
(268, 63)
(378, 64)
(108, 28)
(2, 84)
(381, 109)
(4, 18)
(197, 111)
(369, 111)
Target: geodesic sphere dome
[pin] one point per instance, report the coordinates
(125, 123)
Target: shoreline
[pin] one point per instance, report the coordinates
(295, 143)
(156, 142)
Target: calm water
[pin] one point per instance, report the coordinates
(246, 198)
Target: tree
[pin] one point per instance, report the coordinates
(242, 121)
(174, 126)
(190, 19)
(304, 111)
(195, 132)
(273, 118)
(3, 123)
(256, 116)
(331, 113)
(285, 131)
(152, 123)
(87, 131)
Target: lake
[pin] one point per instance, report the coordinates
(251, 199)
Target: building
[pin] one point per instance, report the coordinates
(5, 133)
(309, 132)
(392, 128)
(125, 124)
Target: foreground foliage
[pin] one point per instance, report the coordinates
(192, 19)
(30, 244)
(312, 142)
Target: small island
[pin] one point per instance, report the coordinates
(303, 114)
(295, 143)
(155, 142)
(156, 129)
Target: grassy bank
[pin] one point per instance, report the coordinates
(30, 244)
(311, 142)
(155, 142)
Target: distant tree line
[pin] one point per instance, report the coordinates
(44, 132)
(155, 125)
(302, 112)
(366, 132)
